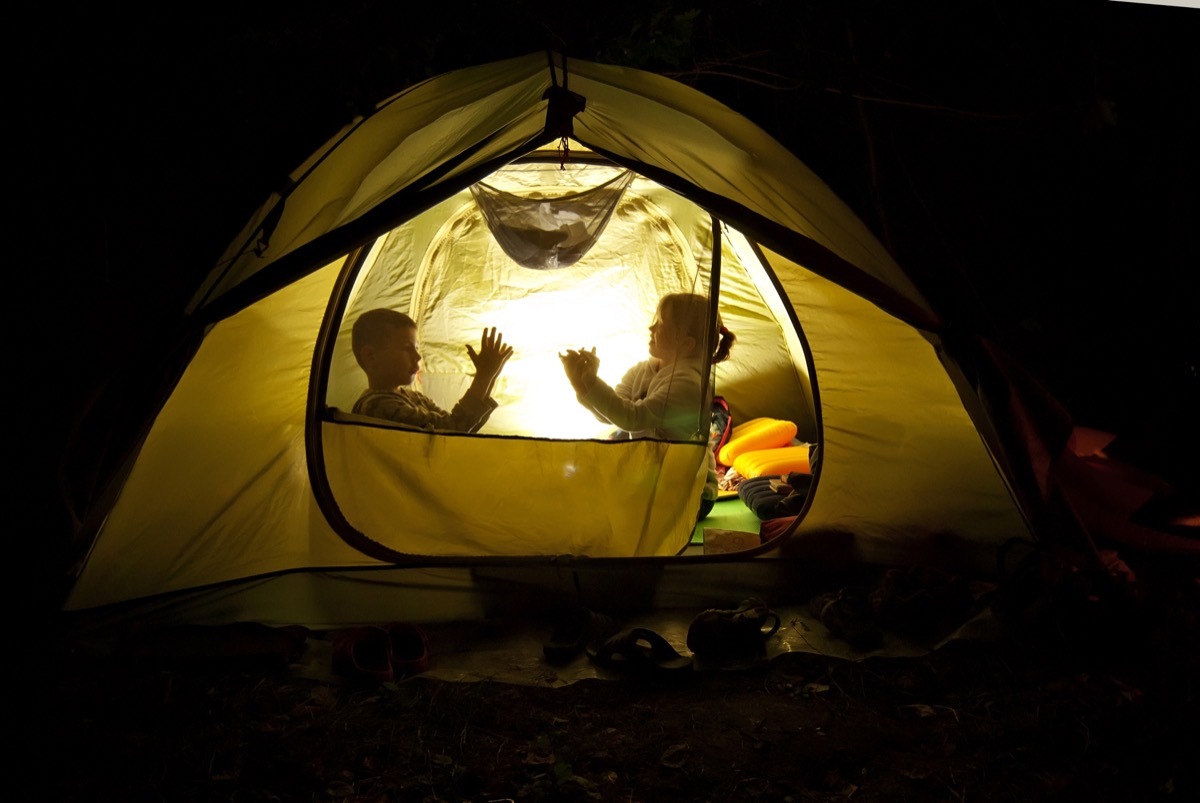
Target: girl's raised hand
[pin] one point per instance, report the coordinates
(580, 366)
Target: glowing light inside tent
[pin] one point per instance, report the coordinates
(533, 392)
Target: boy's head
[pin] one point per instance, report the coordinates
(385, 344)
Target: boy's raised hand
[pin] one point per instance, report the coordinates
(492, 354)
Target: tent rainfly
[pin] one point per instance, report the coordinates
(556, 201)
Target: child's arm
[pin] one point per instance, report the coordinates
(406, 406)
(669, 405)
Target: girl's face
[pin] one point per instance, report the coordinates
(667, 342)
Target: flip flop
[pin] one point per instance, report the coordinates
(639, 650)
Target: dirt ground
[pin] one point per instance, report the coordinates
(1084, 699)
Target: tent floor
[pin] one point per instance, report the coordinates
(727, 514)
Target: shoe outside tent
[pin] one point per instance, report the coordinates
(556, 200)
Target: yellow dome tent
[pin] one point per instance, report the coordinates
(253, 493)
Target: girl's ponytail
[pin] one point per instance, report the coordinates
(725, 340)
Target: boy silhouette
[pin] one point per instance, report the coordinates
(385, 345)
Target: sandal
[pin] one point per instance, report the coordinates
(380, 654)
(408, 649)
(726, 637)
(363, 654)
(638, 650)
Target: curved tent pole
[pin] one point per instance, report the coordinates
(260, 237)
(813, 255)
(337, 242)
(414, 199)
(314, 419)
(562, 107)
(714, 292)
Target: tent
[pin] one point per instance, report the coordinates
(253, 493)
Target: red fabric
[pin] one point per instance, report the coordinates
(1075, 495)
(1104, 495)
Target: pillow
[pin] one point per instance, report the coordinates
(755, 434)
(783, 460)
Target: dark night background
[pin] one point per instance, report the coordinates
(1032, 164)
